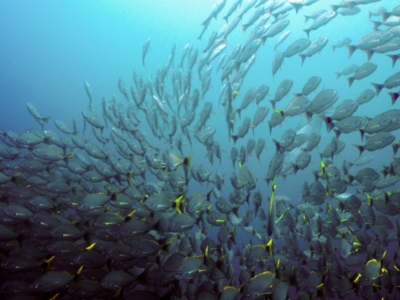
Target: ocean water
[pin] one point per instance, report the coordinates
(48, 49)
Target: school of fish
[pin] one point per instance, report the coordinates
(113, 206)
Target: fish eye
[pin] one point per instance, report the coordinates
(36, 285)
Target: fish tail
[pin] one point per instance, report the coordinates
(351, 49)
(378, 87)
(273, 103)
(308, 32)
(309, 117)
(350, 80)
(239, 111)
(263, 39)
(369, 53)
(395, 147)
(178, 204)
(376, 24)
(334, 7)
(394, 58)
(328, 123)
(385, 15)
(360, 148)
(297, 6)
(362, 132)
(235, 138)
(394, 97)
(337, 133)
(303, 58)
(295, 168)
(278, 146)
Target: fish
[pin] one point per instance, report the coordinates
(243, 129)
(377, 141)
(347, 71)
(259, 116)
(36, 114)
(312, 83)
(297, 106)
(258, 285)
(316, 46)
(322, 20)
(282, 38)
(275, 29)
(282, 91)
(145, 49)
(277, 62)
(391, 82)
(341, 43)
(296, 47)
(232, 9)
(365, 96)
(363, 71)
